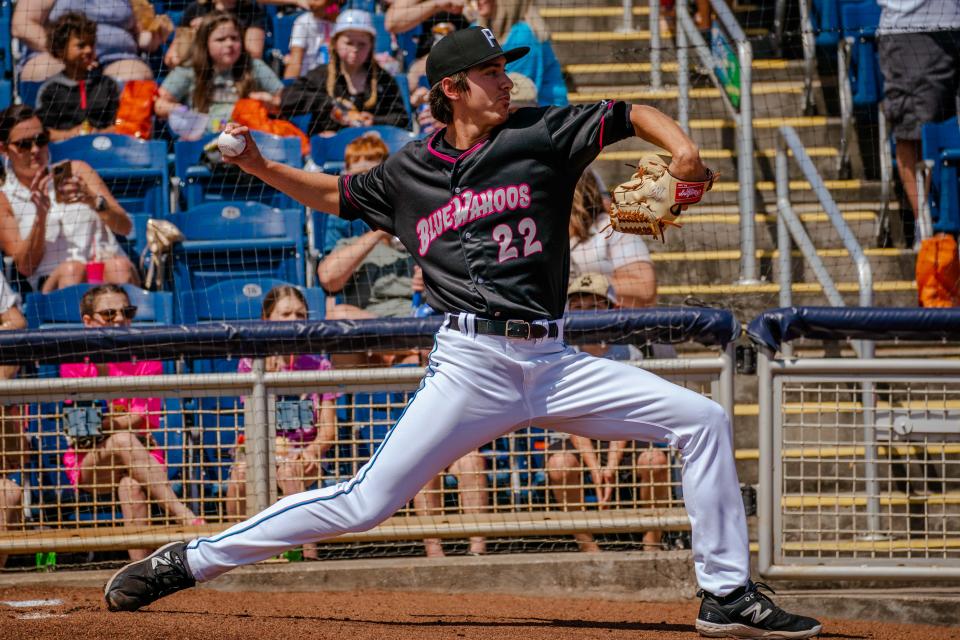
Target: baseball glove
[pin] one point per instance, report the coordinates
(653, 199)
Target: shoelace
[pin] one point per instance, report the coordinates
(166, 578)
(751, 586)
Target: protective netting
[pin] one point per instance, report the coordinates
(128, 97)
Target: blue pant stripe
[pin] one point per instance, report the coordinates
(354, 483)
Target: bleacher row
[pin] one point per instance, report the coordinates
(847, 30)
(237, 230)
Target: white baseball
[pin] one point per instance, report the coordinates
(231, 145)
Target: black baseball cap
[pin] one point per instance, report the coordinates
(463, 49)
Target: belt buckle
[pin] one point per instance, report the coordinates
(518, 329)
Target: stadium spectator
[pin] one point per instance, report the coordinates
(622, 258)
(80, 99)
(310, 38)
(13, 444)
(221, 73)
(299, 450)
(370, 274)
(918, 44)
(54, 231)
(118, 37)
(517, 23)
(119, 457)
(474, 494)
(436, 19)
(251, 17)
(352, 90)
(612, 465)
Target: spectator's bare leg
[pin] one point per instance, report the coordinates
(10, 497)
(67, 273)
(703, 14)
(124, 70)
(237, 491)
(119, 270)
(40, 67)
(471, 472)
(290, 479)
(908, 154)
(135, 510)
(427, 503)
(653, 477)
(123, 451)
(565, 474)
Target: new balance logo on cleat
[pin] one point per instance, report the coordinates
(159, 561)
(756, 613)
(748, 613)
(140, 583)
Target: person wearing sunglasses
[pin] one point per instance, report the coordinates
(123, 456)
(52, 229)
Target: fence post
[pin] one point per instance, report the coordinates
(765, 489)
(257, 443)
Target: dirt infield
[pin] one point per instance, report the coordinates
(209, 614)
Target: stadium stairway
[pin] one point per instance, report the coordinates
(703, 260)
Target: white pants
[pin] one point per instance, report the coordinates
(478, 388)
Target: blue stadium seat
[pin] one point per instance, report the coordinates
(328, 152)
(282, 28)
(329, 229)
(61, 308)
(6, 94)
(825, 20)
(238, 300)
(28, 92)
(135, 171)
(859, 21)
(238, 240)
(941, 152)
(404, 85)
(198, 183)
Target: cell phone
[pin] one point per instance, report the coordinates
(62, 171)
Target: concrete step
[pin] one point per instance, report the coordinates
(675, 268)
(638, 71)
(609, 45)
(723, 161)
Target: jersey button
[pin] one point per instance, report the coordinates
(457, 190)
(480, 280)
(467, 235)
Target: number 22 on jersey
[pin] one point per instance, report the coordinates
(503, 235)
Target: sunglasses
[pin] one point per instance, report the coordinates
(40, 140)
(128, 312)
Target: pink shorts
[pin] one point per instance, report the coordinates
(72, 460)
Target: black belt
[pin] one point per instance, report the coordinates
(509, 328)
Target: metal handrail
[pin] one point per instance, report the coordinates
(789, 140)
(689, 36)
(627, 26)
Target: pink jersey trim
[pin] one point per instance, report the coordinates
(442, 156)
(451, 159)
(346, 191)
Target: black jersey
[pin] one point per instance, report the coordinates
(489, 225)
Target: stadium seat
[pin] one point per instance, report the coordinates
(859, 21)
(239, 300)
(61, 309)
(404, 85)
(6, 94)
(28, 92)
(941, 154)
(825, 20)
(238, 240)
(198, 182)
(282, 28)
(327, 152)
(135, 171)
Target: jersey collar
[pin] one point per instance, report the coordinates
(447, 159)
